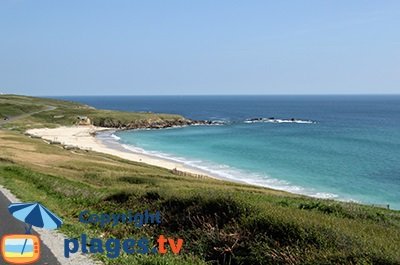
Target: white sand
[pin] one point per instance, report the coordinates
(80, 137)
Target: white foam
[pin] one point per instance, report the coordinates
(270, 120)
(226, 172)
(133, 148)
(115, 137)
(325, 195)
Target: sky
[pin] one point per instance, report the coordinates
(148, 47)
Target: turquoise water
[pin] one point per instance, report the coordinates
(351, 150)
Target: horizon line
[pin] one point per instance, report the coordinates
(189, 95)
(194, 95)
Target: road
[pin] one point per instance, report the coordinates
(14, 118)
(10, 225)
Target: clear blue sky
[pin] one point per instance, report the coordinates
(162, 47)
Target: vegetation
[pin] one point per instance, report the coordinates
(221, 222)
(12, 106)
(58, 112)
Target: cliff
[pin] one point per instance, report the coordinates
(156, 123)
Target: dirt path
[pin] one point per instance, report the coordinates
(14, 118)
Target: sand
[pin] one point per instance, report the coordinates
(83, 138)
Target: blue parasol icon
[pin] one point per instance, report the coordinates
(34, 214)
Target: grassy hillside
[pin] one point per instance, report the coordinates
(221, 222)
(15, 105)
(65, 113)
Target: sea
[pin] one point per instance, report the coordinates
(336, 147)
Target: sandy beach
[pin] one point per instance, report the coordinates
(82, 137)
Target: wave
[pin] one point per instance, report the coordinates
(273, 120)
(259, 120)
(219, 122)
(115, 137)
(221, 171)
(226, 172)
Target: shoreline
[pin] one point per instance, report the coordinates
(85, 138)
(99, 139)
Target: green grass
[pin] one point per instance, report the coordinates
(66, 112)
(9, 110)
(236, 227)
(221, 222)
(97, 116)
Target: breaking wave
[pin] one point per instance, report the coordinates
(273, 120)
(219, 171)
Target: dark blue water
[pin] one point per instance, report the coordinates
(351, 152)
